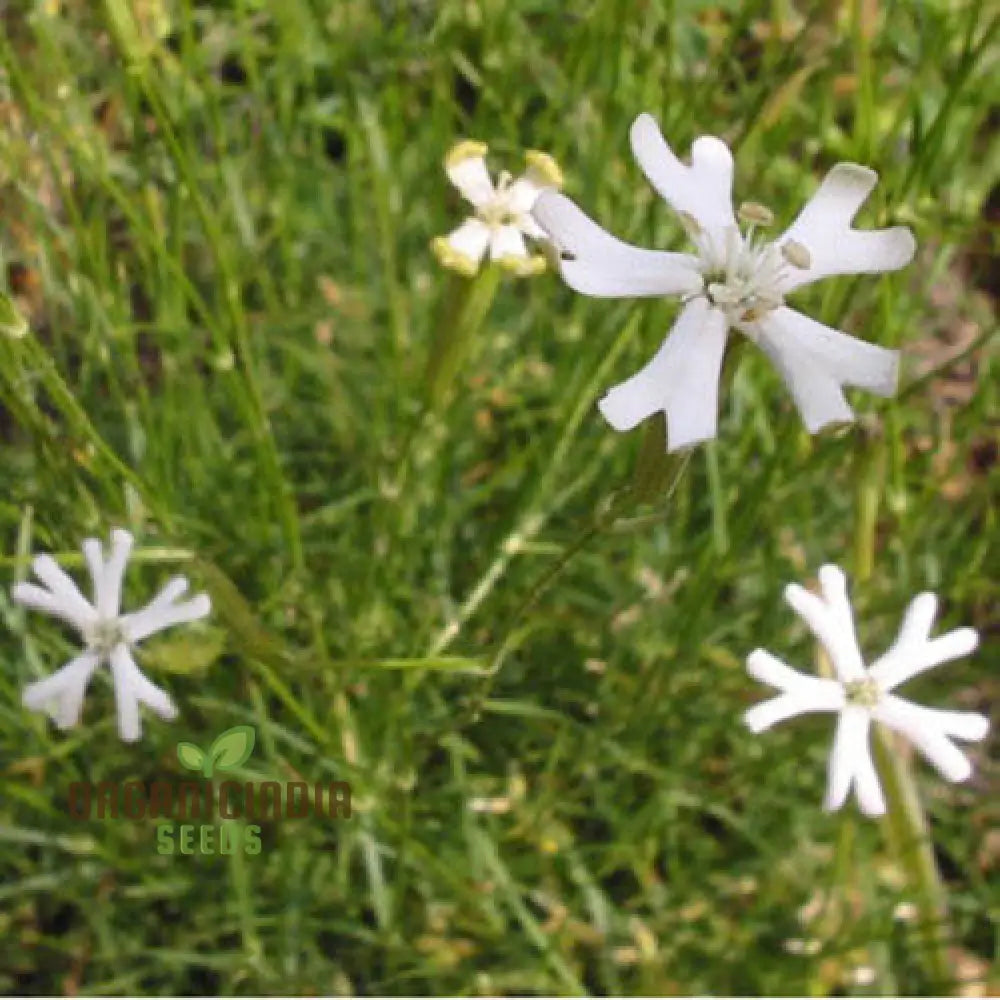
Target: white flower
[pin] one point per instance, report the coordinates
(862, 694)
(503, 211)
(107, 634)
(734, 280)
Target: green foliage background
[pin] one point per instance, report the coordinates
(216, 219)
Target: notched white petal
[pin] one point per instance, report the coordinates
(132, 689)
(599, 264)
(825, 695)
(507, 241)
(833, 628)
(681, 380)
(62, 694)
(39, 599)
(813, 695)
(466, 168)
(928, 730)
(910, 655)
(847, 757)
(867, 787)
(823, 227)
(906, 716)
(846, 359)
(817, 393)
(704, 190)
(463, 249)
(158, 615)
(59, 581)
(109, 590)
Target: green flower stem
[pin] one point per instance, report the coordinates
(541, 505)
(653, 464)
(905, 826)
(607, 517)
(465, 309)
(908, 833)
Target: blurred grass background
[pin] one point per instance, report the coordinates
(216, 219)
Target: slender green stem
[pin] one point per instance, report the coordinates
(465, 310)
(605, 520)
(653, 466)
(905, 825)
(538, 507)
(908, 834)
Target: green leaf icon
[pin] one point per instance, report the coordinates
(190, 755)
(232, 747)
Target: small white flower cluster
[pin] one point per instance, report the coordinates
(108, 635)
(502, 218)
(738, 280)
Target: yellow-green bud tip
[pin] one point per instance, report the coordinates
(453, 259)
(543, 169)
(467, 149)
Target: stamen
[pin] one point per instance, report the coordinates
(864, 693)
(755, 214)
(796, 255)
(722, 294)
(104, 635)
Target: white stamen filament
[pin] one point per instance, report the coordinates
(104, 635)
(744, 277)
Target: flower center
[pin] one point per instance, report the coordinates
(744, 274)
(864, 693)
(497, 211)
(104, 635)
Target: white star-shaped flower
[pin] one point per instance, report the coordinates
(863, 694)
(734, 280)
(108, 635)
(503, 211)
